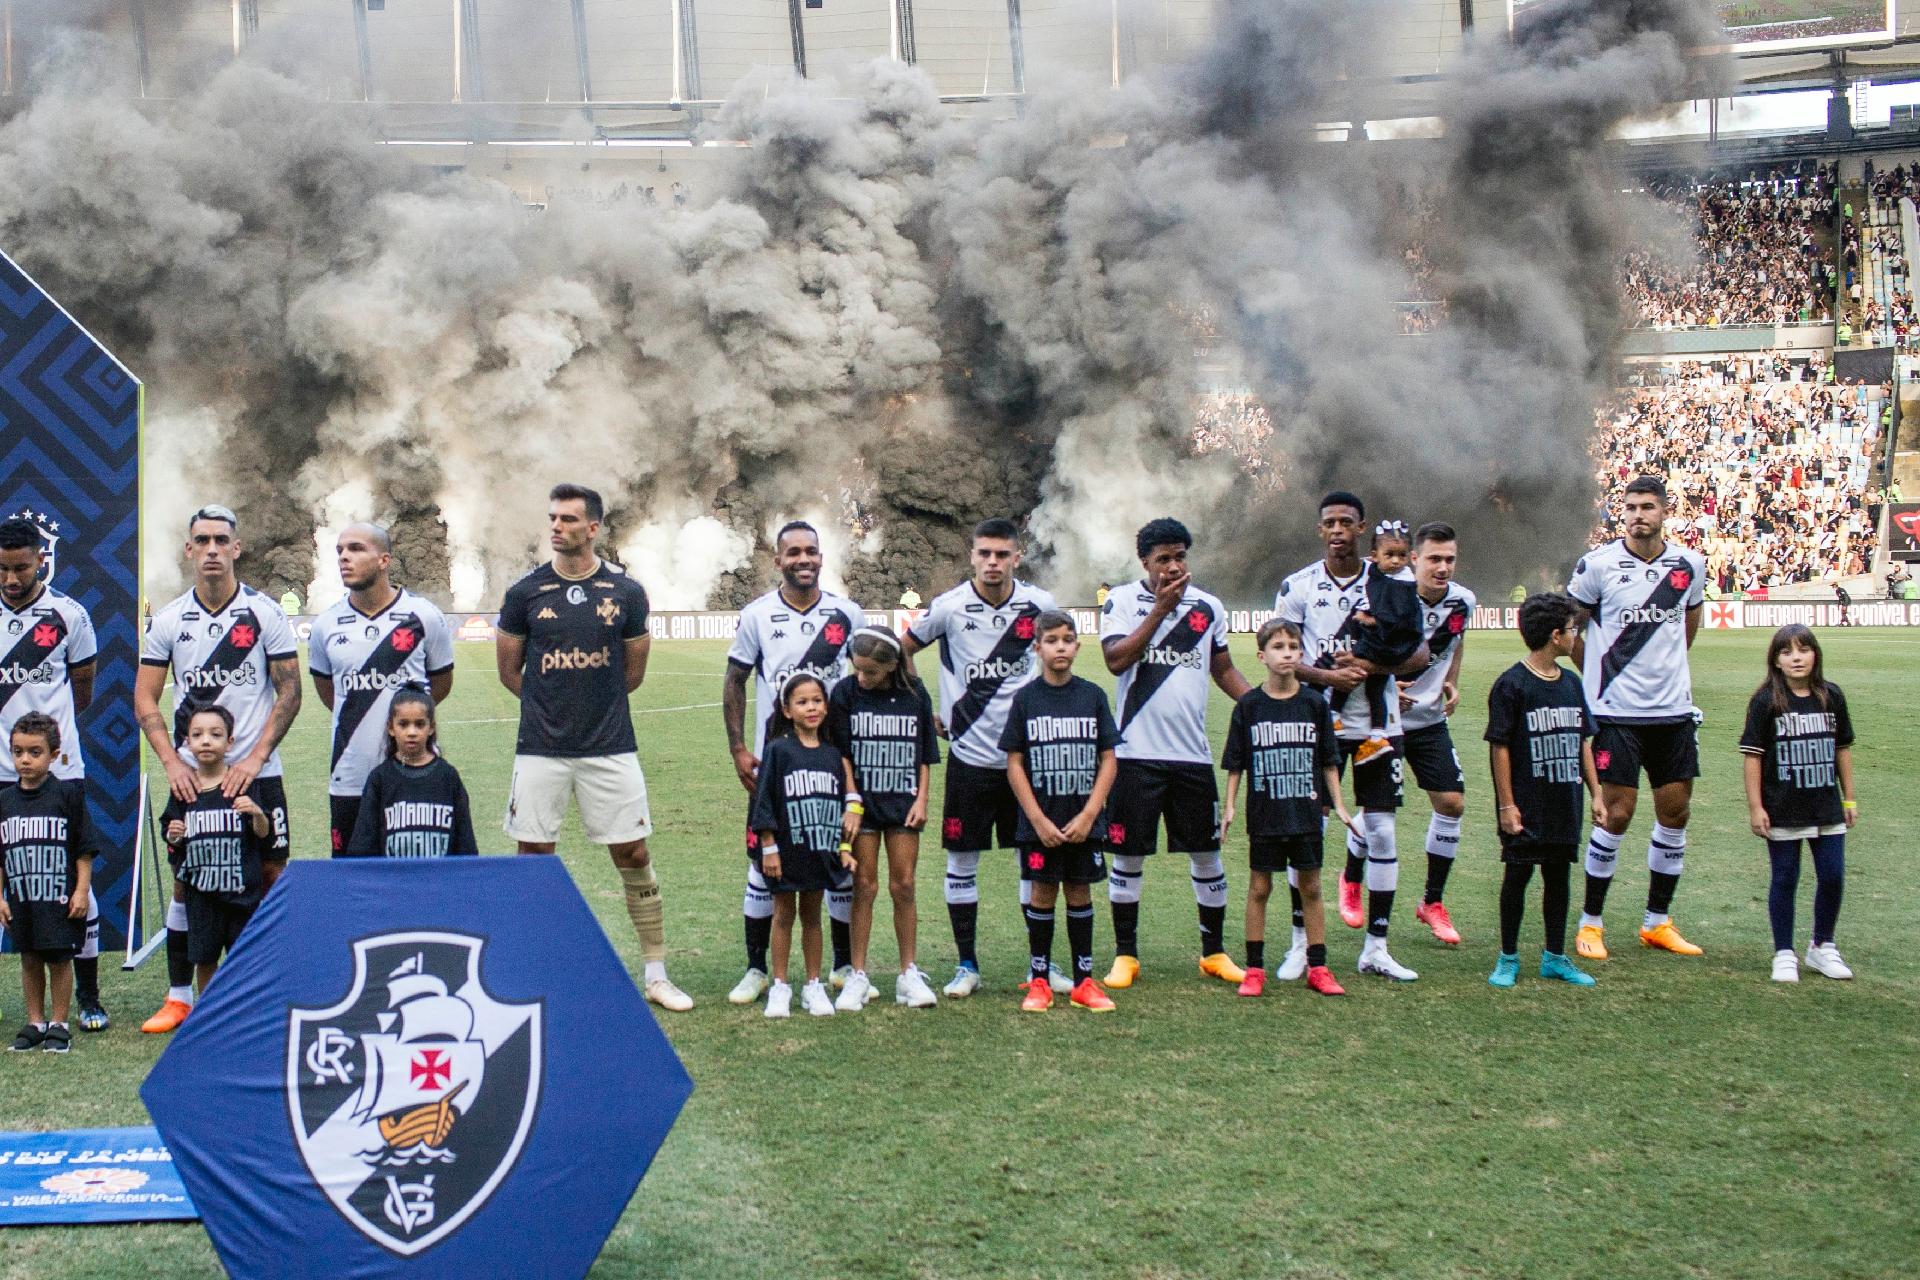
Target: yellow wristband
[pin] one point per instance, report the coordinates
(857, 808)
(1848, 804)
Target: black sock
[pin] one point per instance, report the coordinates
(1554, 893)
(1126, 928)
(1596, 899)
(1513, 904)
(1299, 911)
(1256, 953)
(842, 933)
(1379, 910)
(1316, 955)
(1213, 930)
(180, 968)
(1080, 940)
(1039, 940)
(1356, 869)
(1660, 887)
(86, 980)
(759, 937)
(965, 917)
(1438, 869)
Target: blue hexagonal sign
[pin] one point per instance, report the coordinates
(411, 1068)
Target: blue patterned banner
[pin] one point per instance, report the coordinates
(70, 458)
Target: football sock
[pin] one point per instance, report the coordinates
(963, 903)
(1383, 871)
(1379, 912)
(1123, 895)
(756, 910)
(1443, 842)
(1666, 858)
(1554, 895)
(1210, 893)
(179, 967)
(840, 926)
(1830, 876)
(1299, 909)
(1256, 953)
(1080, 940)
(1316, 954)
(1356, 869)
(646, 911)
(1781, 887)
(1603, 848)
(1660, 887)
(1513, 904)
(86, 979)
(1039, 941)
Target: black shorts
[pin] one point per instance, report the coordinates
(45, 929)
(272, 795)
(1539, 855)
(1377, 784)
(1275, 854)
(805, 871)
(885, 813)
(1668, 752)
(1430, 754)
(343, 812)
(978, 811)
(1068, 864)
(213, 925)
(1146, 792)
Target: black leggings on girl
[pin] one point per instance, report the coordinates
(1553, 904)
(1829, 872)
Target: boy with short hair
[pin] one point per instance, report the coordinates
(1282, 732)
(1539, 733)
(1059, 741)
(48, 850)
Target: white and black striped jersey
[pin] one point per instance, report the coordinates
(221, 656)
(1322, 606)
(1636, 661)
(777, 640)
(48, 637)
(1162, 698)
(1444, 624)
(986, 654)
(368, 657)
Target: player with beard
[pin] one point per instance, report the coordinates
(1426, 701)
(1321, 600)
(381, 638)
(1167, 642)
(985, 629)
(572, 646)
(227, 645)
(48, 656)
(796, 627)
(1641, 599)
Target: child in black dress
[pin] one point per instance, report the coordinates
(797, 830)
(1387, 632)
(415, 805)
(48, 850)
(1539, 734)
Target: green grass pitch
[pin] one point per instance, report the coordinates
(1685, 1118)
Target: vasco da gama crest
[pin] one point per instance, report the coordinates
(412, 1097)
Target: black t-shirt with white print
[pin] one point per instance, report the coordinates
(1542, 723)
(887, 734)
(1799, 751)
(1284, 746)
(413, 811)
(1061, 731)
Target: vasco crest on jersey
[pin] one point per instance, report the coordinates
(412, 1097)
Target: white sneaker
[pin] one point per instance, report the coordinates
(838, 978)
(779, 1000)
(1786, 968)
(1824, 957)
(668, 996)
(1374, 959)
(855, 995)
(1293, 965)
(1062, 985)
(752, 985)
(911, 990)
(965, 982)
(814, 999)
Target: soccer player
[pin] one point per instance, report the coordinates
(796, 627)
(1321, 600)
(1167, 642)
(1640, 597)
(48, 656)
(572, 646)
(1426, 701)
(379, 639)
(985, 627)
(229, 645)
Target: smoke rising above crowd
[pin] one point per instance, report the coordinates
(881, 303)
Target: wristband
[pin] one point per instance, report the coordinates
(857, 809)
(1505, 807)
(1848, 804)
(845, 849)
(853, 797)
(769, 850)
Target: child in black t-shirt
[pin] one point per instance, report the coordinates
(1799, 775)
(882, 722)
(415, 805)
(1059, 741)
(47, 847)
(1282, 733)
(1539, 731)
(220, 846)
(798, 835)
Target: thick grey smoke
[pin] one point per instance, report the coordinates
(944, 320)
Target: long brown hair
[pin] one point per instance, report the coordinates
(1776, 682)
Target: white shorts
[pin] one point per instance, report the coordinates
(611, 790)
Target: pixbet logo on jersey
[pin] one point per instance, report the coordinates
(200, 679)
(1165, 657)
(998, 668)
(1653, 614)
(575, 659)
(371, 682)
(16, 674)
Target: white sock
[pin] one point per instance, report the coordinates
(656, 971)
(1443, 836)
(1648, 920)
(183, 994)
(1299, 942)
(1591, 922)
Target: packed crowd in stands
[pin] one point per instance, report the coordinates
(1769, 465)
(1765, 252)
(1239, 424)
(1884, 315)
